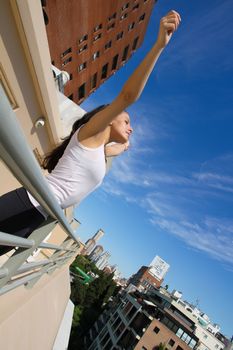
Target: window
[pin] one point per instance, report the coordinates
(83, 38)
(66, 52)
(98, 27)
(71, 97)
(71, 76)
(95, 55)
(82, 66)
(187, 340)
(111, 26)
(81, 91)
(171, 342)
(179, 348)
(119, 36)
(156, 330)
(66, 61)
(120, 329)
(125, 6)
(192, 343)
(127, 308)
(179, 332)
(116, 323)
(83, 48)
(112, 17)
(104, 71)
(131, 26)
(132, 312)
(93, 81)
(135, 7)
(141, 18)
(125, 53)
(170, 324)
(123, 16)
(135, 42)
(108, 45)
(96, 37)
(114, 62)
(174, 328)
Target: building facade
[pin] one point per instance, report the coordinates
(97, 251)
(144, 280)
(91, 242)
(139, 322)
(102, 260)
(99, 38)
(98, 235)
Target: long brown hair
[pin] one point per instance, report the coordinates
(52, 158)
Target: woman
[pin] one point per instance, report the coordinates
(77, 167)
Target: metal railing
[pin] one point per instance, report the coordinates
(19, 158)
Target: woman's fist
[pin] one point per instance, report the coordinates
(168, 25)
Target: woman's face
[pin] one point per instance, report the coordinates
(121, 128)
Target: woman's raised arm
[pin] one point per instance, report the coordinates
(134, 86)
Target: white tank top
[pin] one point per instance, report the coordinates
(79, 172)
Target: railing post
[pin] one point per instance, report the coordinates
(20, 256)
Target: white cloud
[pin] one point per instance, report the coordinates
(217, 173)
(174, 203)
(215, 241)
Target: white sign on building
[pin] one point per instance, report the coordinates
(158, 268)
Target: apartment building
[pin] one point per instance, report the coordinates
(36, 312)
(92, 39)
(139, 322)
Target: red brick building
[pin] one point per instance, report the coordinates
(92, 39)
(143, 279)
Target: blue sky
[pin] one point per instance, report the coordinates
(171, 194)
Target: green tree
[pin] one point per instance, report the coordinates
(78, 292)
(88, 299)
(77, 315)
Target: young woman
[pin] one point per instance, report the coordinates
(77, 166)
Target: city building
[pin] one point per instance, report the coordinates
(208, 333)
(89, 246)
(102, 260)
(92, 39)
(91, 242)
(207, 339)
(96, 252)
(141, 321)
(144, 321)
(99, 234)
(145, 280)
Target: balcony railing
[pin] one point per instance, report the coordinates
(18, 157)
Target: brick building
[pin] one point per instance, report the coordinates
(92, 39)
(143, 279)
